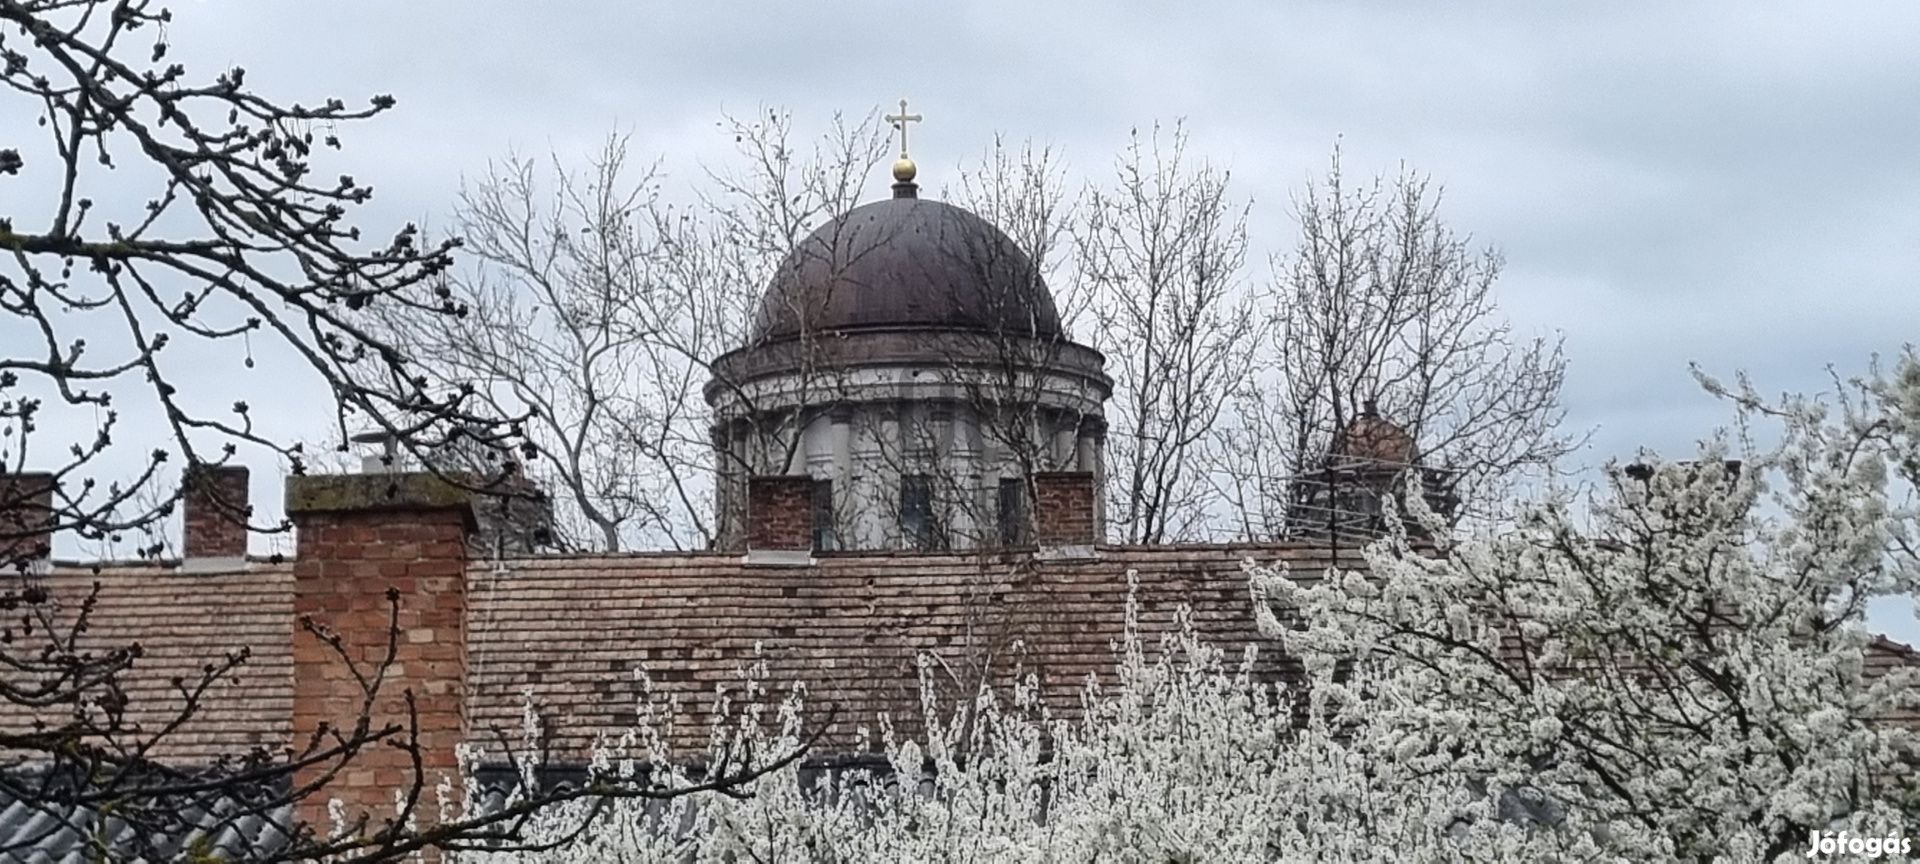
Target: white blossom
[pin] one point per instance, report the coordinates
(1680, 675)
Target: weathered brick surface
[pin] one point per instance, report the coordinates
(1063, 509)
(573, 632)
(182, 622)
(26, 514)
(215, 509)
(780, 512)
(347, 560)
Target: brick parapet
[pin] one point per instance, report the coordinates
(358, 539)
(214, 511)
(26, 520)
(1063, 509)
(780, 512)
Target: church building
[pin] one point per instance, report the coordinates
(910, 453)
(910, 460)
(908, 362)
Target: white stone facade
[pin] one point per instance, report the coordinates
(869, 418)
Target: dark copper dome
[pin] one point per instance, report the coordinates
(906, 262)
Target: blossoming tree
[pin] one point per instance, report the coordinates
(1688, 676)
(1683, 673)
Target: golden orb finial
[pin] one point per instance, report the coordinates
(904, 170)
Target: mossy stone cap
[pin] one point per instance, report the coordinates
(343, 493)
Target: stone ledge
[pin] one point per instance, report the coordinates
(213, 564)
(778, 558)
(348, 493)
(1066, 552)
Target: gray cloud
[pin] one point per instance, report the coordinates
(1734, 184)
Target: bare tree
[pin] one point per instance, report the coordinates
(597, 305)
(214, 239)
(765, 212)
(90, 768)
(1383, 309)
(1023, 192)
(1163, 253)
(118, 303)
(996, 420)
(547, 334)
(599, 308)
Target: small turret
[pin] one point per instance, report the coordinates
(1368, 462)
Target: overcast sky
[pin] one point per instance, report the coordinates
(1732, 184)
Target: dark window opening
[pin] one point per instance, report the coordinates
(825, 538)
(919, 524)
(1013, 513)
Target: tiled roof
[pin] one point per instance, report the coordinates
(571, 632)
(52, 833)
(1884, 655)
(182, 621)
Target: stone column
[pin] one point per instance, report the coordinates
(964, 521)
(1062, 452)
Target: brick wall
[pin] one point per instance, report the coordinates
(780, 512)
(215, 508)
(1063, 509)
(360, 535)
(26, 516)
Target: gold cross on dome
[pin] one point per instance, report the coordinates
(900, 122)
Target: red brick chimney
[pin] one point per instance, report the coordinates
(780, 519)
(26, 521)
(215, 509)
(357, 536)
(1063, 518)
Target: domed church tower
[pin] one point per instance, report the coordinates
(905, 384)
(1367, 464)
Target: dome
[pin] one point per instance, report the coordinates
(1373, 438)
(906, 262)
